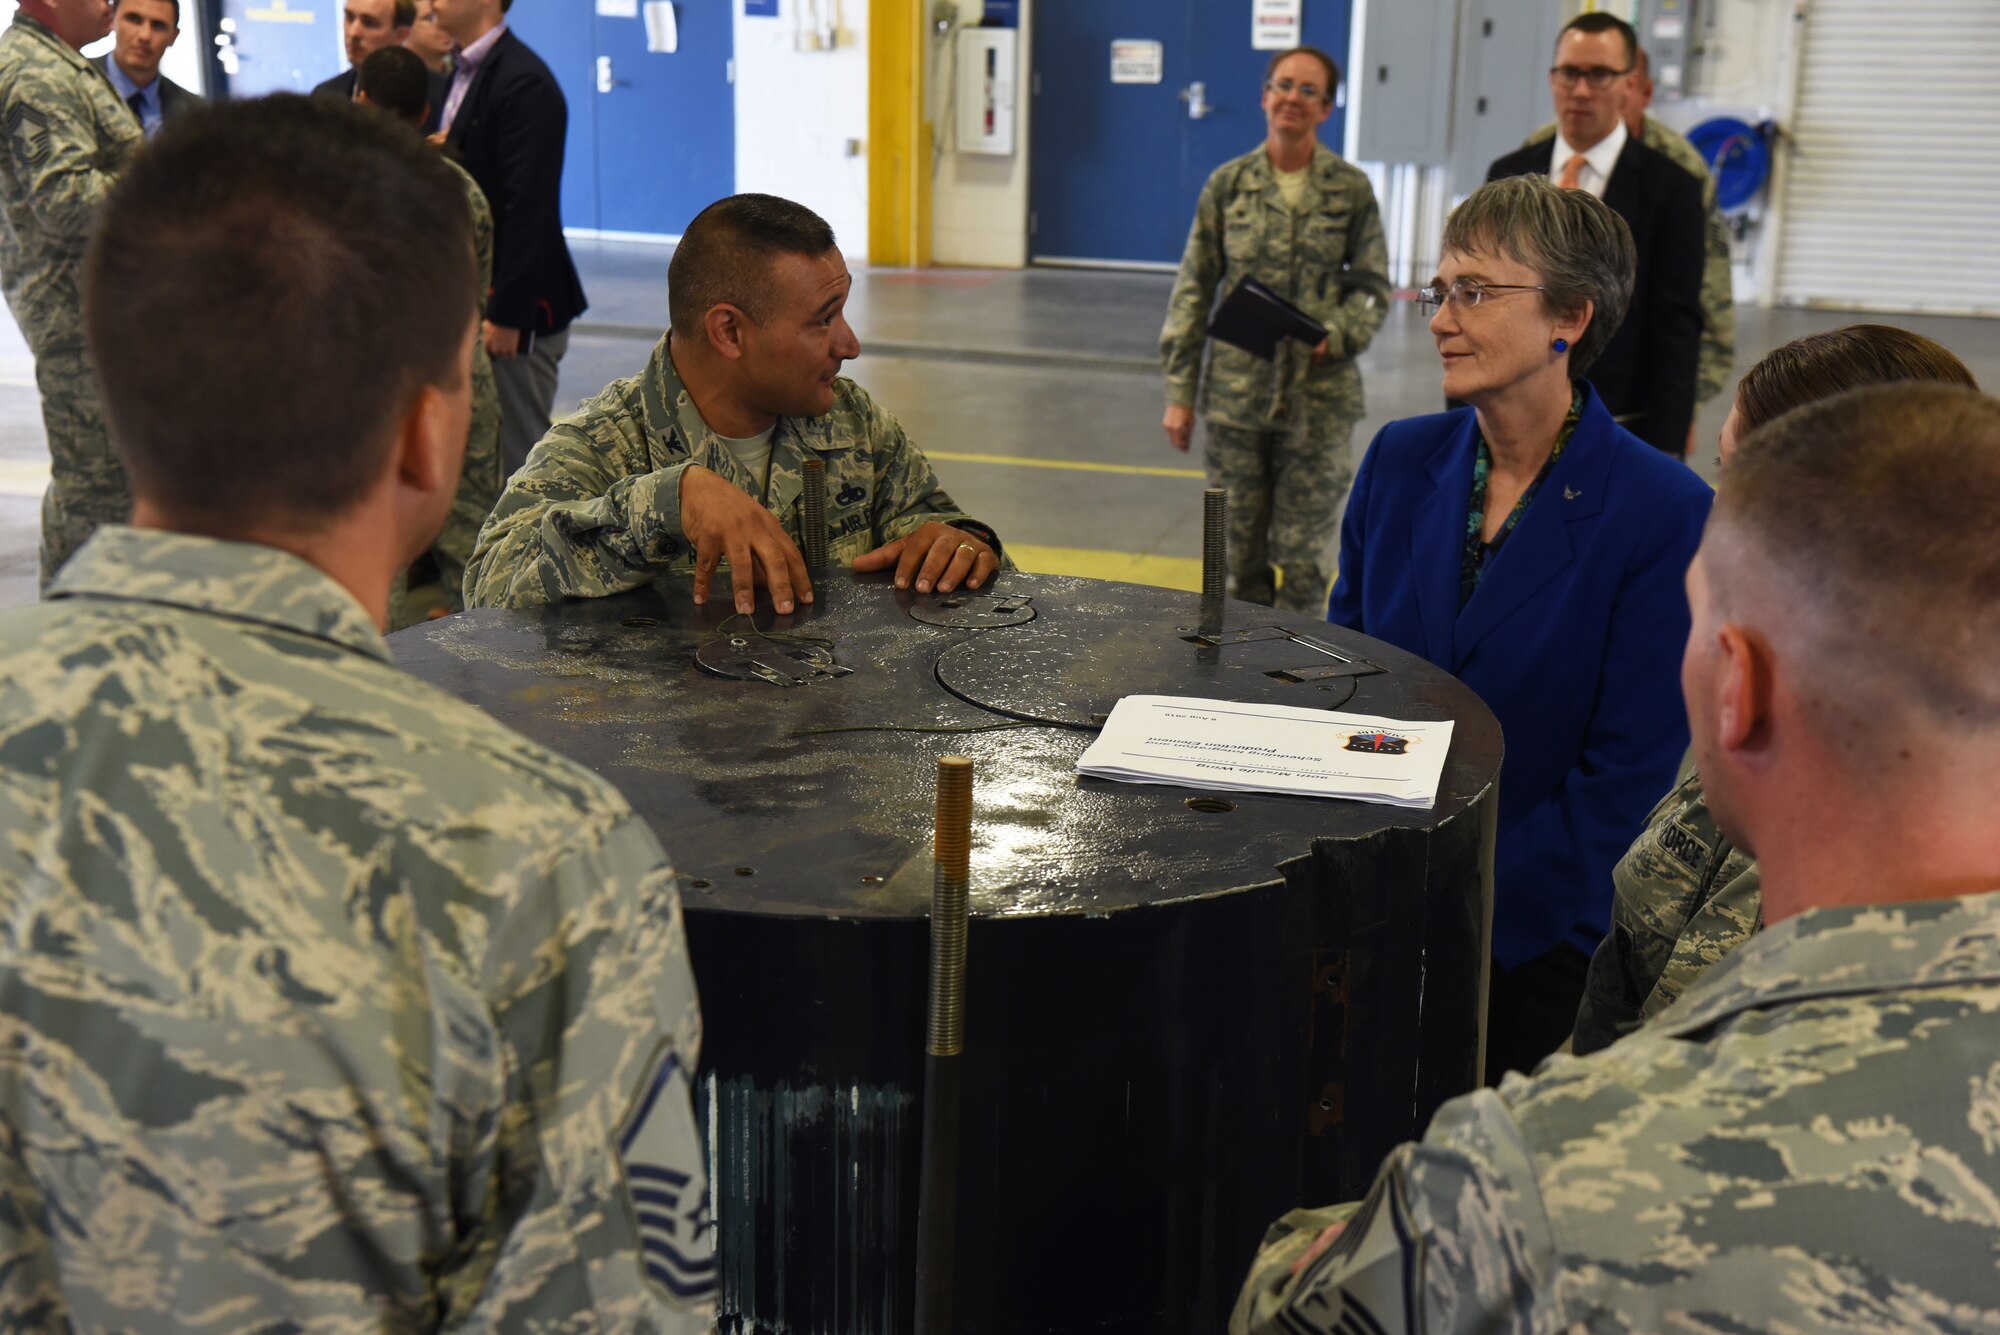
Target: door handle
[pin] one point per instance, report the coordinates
(1196, 97)
(605, 83)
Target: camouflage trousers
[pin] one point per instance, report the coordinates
(479, 484)
(1286, 486)
(87, 485)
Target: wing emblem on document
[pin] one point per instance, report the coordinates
(1380, 743)
(1366, 1283)
(666, 1184)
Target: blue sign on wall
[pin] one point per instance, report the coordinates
(760, 9)
(1002, 14)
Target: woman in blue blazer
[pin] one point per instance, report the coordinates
(1535, 549)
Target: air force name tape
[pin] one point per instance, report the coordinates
(666, 1184)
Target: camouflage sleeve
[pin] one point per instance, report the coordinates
(482, 235)
(1453, 1237)
(908, 494)
(1718, 306)
(1729, 912)
(1649, 890)
(1364, 280)
(573, 522)
(51, 134)
(599, 1201)
(1186, 331)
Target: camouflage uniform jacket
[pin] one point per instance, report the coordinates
(1717, 359)
(329, 1003)
(1329, 259)
(68, 136)
(596, 509)
(1682, 897)
(1809, 1140)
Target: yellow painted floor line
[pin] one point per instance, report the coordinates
(23, 477)
(1078, 465)
(1168, 572)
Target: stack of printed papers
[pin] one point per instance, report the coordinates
(1225, 746)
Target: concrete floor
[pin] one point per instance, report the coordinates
(1036, 394)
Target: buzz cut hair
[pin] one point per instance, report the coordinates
(724, 258)
(396, 81)
(1597, 21)
(280, 405)
(1866, 521)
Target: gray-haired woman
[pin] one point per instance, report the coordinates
(1536, 549)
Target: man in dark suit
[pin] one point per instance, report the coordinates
(141, 34)
(367, 26)
(1647, 374)
(506, 118)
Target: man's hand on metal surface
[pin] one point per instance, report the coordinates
(935, 556)
(1319, 353)
(1179, 423)
(722, 521)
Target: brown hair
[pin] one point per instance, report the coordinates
(725, 256)
(1597, 21)
(318, 255)
(1332, 69)
(1876, 507)
(1821, 365)
(1576, 244)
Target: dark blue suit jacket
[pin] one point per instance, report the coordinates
(1573, 640)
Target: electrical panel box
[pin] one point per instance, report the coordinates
(1666, 30)
(1505, 49)
(1401, 83)
(986, 85)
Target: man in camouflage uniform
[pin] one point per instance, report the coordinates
(395, 80)
(1809, 1138)
(701, 455)
(1683, 896)
(1718, 292)
(328, 1003)
(1278, 430)
(68, 136)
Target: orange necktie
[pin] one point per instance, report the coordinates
(1572, 177)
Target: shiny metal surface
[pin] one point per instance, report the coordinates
(829, 810)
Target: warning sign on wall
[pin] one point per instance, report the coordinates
(1274, 24)
(1137, 62)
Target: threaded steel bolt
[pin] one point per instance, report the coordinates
(952, 853)
(1214, 542)
(812, 515)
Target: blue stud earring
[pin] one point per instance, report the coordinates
(1562, 345)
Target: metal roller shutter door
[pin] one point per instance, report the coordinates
(1894, 167)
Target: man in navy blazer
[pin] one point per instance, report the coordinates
(1646, 377)
(1573, 639)
(506, 118)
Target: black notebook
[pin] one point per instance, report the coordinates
(1254, 318)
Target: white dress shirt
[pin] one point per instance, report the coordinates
(1597, 161)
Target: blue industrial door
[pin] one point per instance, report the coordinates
(280, 46)
(666, 129)
(1117, 166)
(652, 134)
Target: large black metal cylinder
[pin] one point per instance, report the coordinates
(1186, 1012)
